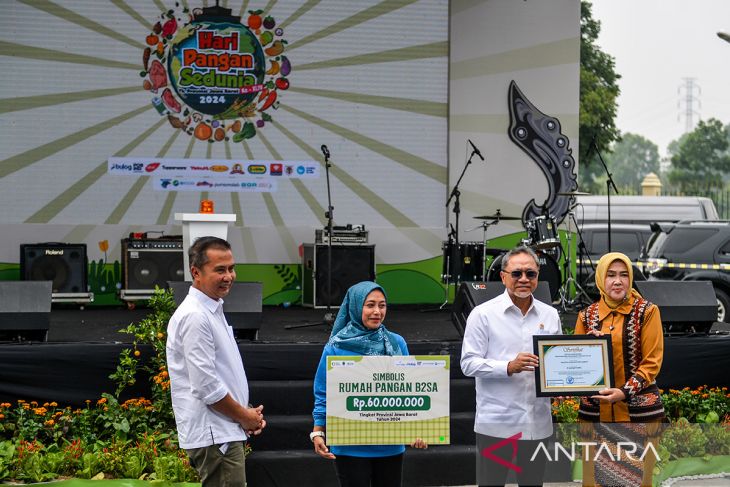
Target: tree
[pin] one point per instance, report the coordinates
(673, 146)
(633, 157)
(598, 93)
(702, 159)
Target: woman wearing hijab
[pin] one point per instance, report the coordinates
(359, 330)
(634, 405)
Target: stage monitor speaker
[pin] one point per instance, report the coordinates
(25, 310)
(473, 293)
(350, 265)
(685, 306)
(62, 263)
(147, 263)
(242, 307)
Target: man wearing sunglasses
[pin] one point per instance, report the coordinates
(510, 419)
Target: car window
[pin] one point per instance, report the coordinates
(656, 244)
(627, 242)
(680, 240)
(725, 249)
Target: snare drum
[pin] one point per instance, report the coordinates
(549, 272)
(468, 265)
(543, 232)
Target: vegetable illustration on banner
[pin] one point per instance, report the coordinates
(212, 76)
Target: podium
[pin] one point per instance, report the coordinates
(196, 225)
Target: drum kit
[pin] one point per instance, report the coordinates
(466, 261)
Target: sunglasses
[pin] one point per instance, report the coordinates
(529, 273)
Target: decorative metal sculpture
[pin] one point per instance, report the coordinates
(540, 137)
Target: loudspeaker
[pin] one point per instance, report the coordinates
(147, 263)
(242, 306)
(63, 264)
(350, 265)
(473, 293)
(25, 310)
(685, 306)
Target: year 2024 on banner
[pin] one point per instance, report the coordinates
(382, 400)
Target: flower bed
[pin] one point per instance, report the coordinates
(118, 440)
(133, 439)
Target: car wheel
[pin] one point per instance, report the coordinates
(723, 306)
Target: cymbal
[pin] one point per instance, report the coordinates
(573, 193)
(497, 216)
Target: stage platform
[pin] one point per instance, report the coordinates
(83, 348)
(85, 343)
(423, 322)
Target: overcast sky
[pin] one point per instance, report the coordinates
(658, 43)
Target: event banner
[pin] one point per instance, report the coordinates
(211, 168)
(260, 185)
(387, 400)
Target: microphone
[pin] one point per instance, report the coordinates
(475, 150)
(325, 151)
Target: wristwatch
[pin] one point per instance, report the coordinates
(315, 434)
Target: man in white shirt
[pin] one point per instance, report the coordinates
(510, 419)
(207, 380)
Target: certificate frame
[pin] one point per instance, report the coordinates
(551, 380)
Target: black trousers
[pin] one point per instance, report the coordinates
(494, 473)
(369, 471)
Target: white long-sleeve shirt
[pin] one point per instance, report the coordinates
(204, 365)
(496, 331)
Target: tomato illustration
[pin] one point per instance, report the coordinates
(254, 20)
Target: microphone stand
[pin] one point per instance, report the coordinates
(453, 258)
(455, 195)
(609, 184)
(329, 317)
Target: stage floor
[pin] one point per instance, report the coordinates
(84, 345)
(414, 322)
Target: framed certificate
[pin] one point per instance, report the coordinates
(573, 365)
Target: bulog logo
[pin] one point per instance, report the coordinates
(212, 76)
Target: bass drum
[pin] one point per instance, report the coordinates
(469, 265)
(549, 272)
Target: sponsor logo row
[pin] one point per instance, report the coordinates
(294, 169)
(229, 184)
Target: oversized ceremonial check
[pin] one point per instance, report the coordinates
(572, 365)
(382, 400)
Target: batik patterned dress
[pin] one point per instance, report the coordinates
(638, 348)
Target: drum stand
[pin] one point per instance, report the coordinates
(565, 300)
(447, 276)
